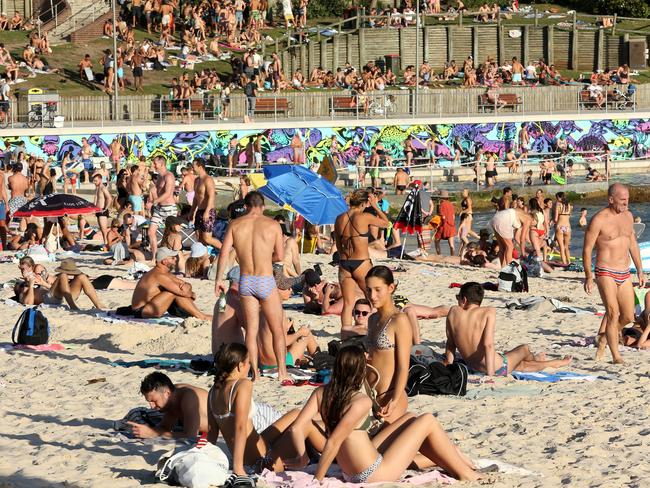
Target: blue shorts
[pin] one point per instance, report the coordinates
(3, 211)
(136, 201)
(88, 164)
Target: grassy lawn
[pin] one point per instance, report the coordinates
(66, 56)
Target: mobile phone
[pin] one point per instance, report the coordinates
(318, 269)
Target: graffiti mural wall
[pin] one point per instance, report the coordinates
(627, 139)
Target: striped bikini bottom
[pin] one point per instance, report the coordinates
(619, 277)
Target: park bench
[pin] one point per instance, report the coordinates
(344, 104)
(272, 105)
(510, 100)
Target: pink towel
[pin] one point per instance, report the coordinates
(42, 347)
(302, 479)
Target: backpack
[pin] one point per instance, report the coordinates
(513, 278)
(31, 329)
(436, 379)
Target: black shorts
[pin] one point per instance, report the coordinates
(490, 174)
(401, 187)
(102, 214)
(547, 177)
(137, 72)
(185, 104)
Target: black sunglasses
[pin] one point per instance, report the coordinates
(361, 313)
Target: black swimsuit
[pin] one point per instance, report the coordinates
(351, 265)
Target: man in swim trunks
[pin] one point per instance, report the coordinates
(470, 330)
(401, 181)
(134, 186)
(205, 216)
(18, 185)
(611, 231)
(162, 200)
(257, 240)
(517, 72)
(180, 403)
(103, 201)
(159, 291)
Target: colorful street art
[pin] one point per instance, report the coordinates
(627, 138)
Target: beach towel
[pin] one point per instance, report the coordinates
(548, 377)
(334, 479)
(114, 318)
(39, 348)
(155, 363)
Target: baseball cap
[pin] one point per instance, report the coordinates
(311, 277)
(198, 250)
(233, 274)
(163, 253)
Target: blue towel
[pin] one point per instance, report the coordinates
(549, 377)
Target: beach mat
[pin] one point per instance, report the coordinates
(114, 318)
(548, 377)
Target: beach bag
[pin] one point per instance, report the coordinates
(198, 467)
(436, 379)
(533, 267)
(513, 278)
(31, 329)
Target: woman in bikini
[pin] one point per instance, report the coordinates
(352, 235)
(537, 228)
(250, 429)
(346, 411)
(466, 207)
(389, 341)
(562, 218)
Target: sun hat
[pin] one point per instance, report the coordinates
(68, 266)
(198, 250)
(163, 253)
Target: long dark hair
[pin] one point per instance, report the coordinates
(347, 377)
(383, 273)
(226, 360)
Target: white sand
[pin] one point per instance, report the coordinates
(56, 427)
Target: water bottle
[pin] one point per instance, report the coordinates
(222, 302)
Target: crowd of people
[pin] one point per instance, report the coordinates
(254, 261)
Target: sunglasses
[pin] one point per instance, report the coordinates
(361, 313)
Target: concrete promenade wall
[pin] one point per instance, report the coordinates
(629, 138)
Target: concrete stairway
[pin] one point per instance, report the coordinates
(84, 12)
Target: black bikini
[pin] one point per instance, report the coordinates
(351, 265)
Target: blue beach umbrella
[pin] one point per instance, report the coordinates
(312, 196)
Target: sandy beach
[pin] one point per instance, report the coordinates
(57, 423)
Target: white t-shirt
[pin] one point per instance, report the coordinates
(4, 90)
(594, 90)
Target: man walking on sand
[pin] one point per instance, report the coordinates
(258, 242)
(470, 329)
(205, 216)
(162, 200)
(611, 231)
(103, 201)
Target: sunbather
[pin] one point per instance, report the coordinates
(180, 403)
(470, 329)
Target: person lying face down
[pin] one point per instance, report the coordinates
(180, 403)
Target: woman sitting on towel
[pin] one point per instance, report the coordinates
(249, 428)
(346, 411)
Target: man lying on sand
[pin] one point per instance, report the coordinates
(182, 403)
(159, 291)
(321, 297)
(470, 329)
(68, 285)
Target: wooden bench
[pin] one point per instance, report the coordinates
(613, 100)
(345, 104)
(197, 107)
(272, 105)
(506, 100)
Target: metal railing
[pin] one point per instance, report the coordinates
(393, 104)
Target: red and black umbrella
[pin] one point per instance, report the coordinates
(56, 205)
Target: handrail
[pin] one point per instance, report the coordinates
(83, 12)
(52, 14)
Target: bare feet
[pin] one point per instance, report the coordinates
(565, 361)
(618, 360)
(204, 316)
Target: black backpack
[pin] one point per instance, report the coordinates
(437, 379)
(31, 329)
(513, 278)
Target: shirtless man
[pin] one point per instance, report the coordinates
(257, 240)
(103, 201)
(401, 181)
(490, 170)
(182, 403)
(162, 200)
(86, 153)
(470, 329)
(4, 207)
(322, 297)
(117, 152)
(360, 313)
(205, 215)
(134, 187)
(517, 72)
(18, 185)
(611, 231)
(159, 291)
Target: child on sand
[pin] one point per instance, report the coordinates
(470, 329)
